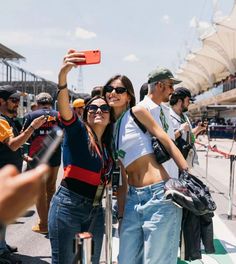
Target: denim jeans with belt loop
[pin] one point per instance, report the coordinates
(71, 213)
(150, 229)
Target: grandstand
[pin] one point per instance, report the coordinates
(210, 72)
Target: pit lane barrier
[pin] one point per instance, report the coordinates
(232, 159)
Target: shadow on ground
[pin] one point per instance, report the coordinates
(28, 213)
(33, 260)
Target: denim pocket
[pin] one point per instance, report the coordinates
(159, 200)
(71, 202)
(163, 200)
(159, 195)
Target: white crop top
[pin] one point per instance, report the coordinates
(130, 140)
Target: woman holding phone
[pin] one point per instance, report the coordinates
(150, 224)
(87, 162)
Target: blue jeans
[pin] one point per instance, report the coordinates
(150, 230)
(69, 214)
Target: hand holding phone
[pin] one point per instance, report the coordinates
(91, 57)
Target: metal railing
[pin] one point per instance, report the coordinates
(83, 244)
(232, 159)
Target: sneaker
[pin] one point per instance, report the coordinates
(12, 249)
(8, 258)
(40, 229)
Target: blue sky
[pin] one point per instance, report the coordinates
(134, 36)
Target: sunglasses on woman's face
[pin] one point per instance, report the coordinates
(118, 90)
(93, 108)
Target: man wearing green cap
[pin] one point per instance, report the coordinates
(160, 86)
(161, 74)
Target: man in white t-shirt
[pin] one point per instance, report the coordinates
(160, 86)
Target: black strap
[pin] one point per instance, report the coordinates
(11, 123)
(176, 119)
(138, 123)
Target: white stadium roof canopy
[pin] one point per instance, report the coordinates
(215, 60)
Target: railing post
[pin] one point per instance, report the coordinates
(83, 248)
(231, 186)
(207, 151)
(108, 225)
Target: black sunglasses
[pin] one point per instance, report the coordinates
(93, 108)
(170, 85)
(118, 90)
(14, 100)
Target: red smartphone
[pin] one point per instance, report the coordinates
(91, 57)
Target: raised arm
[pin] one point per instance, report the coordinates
(70, 60)
(151, 125)
(15, 143)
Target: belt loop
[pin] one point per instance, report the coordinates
(130, 190)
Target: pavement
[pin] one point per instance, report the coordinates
(35, 248)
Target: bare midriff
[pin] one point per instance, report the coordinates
(145, 171)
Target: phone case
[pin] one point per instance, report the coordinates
(91, 57)
(48, 147)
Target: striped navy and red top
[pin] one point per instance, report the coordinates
(82, 168)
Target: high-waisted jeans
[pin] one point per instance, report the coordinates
(69, 214)
(150, 230)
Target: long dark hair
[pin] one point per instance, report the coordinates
(127, 84)
(107, 135)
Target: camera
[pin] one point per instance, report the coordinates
(116, 178)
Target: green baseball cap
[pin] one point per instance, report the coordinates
(160, 74)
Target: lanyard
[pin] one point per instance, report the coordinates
(105, 175)
(191, 137)
(118, 153)
(163, 120)
(105, 159)
(183, 119)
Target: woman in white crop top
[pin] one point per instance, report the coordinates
(150, 228)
